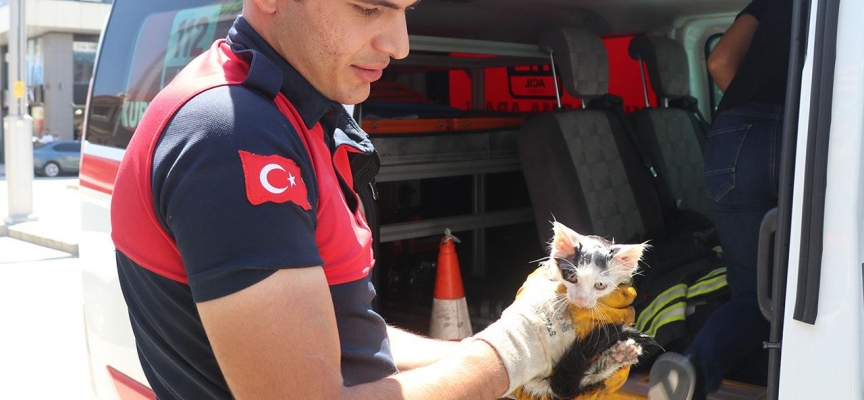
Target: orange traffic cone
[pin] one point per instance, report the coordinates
(450, 320)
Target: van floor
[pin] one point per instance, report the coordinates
(415, 318)
(637, 388)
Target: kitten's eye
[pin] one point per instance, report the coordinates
(599, 286)
(570, 276)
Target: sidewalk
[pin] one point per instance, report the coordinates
(57, 209)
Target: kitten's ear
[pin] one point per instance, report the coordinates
(564, 240)
(629, 255)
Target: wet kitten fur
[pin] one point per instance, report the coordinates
(591, 267)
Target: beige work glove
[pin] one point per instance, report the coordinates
(533, 332)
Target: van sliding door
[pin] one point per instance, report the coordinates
(822, 328)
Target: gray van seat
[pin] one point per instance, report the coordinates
(578, 164)
(583, 169)
(670, 136)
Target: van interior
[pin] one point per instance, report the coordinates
(507, 115)
(503, 119)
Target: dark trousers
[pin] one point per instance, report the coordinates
(742, 158)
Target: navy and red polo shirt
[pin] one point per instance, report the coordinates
(239, 168)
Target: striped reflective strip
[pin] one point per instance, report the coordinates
(713, 273)
(706, 286)
(675, 312)
(678, 311)
(714, 280)
(663, 299)
(128, 388)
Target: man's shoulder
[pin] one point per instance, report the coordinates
(229, 101)
(227, 119)
(233, 108)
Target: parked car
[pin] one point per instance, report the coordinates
(55, 158)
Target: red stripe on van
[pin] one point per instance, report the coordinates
(98, 173)
(128, 388)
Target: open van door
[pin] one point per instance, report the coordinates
(774, 236)
(819, 220)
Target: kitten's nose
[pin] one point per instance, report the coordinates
(580, 302)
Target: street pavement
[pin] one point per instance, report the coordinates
(43, 353)
(56, 213)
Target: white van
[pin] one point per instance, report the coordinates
(462, 127)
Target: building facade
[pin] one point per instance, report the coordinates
(62, 38)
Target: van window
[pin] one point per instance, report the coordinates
(166, 37)
(70, 147)
(529, 88)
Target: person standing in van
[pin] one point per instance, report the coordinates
(742, 159)
(242, 251)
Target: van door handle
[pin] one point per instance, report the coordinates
(765, 263)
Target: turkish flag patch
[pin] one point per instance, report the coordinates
(273, 178)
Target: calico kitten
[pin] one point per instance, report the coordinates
(591, 267)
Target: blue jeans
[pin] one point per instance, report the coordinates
(742, 158)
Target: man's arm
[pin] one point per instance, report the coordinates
(724, 60)
(476, 372)
(278, 339)
(412, 351)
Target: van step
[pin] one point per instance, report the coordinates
(637, 388)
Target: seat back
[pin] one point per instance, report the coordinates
(579, 165)
(671, 136)
(584, 169)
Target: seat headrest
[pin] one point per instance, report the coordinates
(667, 64)
(581, 60)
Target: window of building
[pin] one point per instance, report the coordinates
(84, 57)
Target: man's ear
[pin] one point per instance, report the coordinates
(264, 6)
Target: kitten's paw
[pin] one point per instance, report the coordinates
(625, 352)
(622, 354)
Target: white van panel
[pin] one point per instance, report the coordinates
(824, 361)
(109, 333)
(110, 340)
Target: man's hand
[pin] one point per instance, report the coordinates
(533, 332)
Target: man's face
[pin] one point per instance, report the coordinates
(342, 46)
